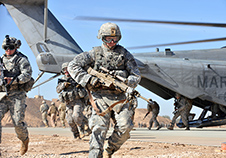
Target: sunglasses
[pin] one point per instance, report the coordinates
(109, 39)
(10, 47)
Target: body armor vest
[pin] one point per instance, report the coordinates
(13, 70)
(111, 60)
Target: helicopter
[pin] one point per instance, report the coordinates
(189, 73)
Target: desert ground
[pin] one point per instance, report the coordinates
(45, 146)
(42, 146)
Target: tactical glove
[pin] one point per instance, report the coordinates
(94, 82)
(66, 84)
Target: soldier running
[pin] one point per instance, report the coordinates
(44, 111)
(154, 108)
(53, 112)
(15, 78)
(62, 113)
(75, 98)
(117, 59)
(183, 107)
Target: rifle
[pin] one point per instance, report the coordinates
(70, 80)
(146, 115)
(114, 80)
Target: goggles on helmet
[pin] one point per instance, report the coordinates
(109, 39)
(10, 47)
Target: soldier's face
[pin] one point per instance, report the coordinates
(66, 73)
(111, 41)
(10, 52)
(178, 97)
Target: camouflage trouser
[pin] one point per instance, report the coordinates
(153, 119)
(74, 116)
(184, 113)
(53, 119)
(62, 118)
(100, 125)
(44, 118)
(16, 105)
(184, 118)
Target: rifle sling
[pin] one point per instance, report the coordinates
(105, 111)
(92, 102)
(112, 106)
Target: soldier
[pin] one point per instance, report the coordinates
(118, 60)
(75, 98)
(53, 112)
(183, 107)
(44, 109)
(154, 108)
(62, 113)
(15, 79)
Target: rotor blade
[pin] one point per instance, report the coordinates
(179, 43)
(150, 21)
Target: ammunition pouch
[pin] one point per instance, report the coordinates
(28, 85)
(13, 87)
(68, 96)
(82, 92)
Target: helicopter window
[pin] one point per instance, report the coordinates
(42, 48)
(168, 52)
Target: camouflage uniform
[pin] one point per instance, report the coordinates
(183, 106)
(62, 111)
(123, 63)
(133, 105)
(18, 67)
(75, 97)
(53, 112)
(44, 109)
(154, 108)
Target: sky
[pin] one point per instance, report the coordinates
(133, 34)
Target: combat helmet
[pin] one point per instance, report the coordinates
(10, 43)
(43, 102)
(109, 29)
(52, 103)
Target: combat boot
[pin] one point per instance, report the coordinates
(187, 128)
(170, 127)
(24, 146)
(106, 154)
(81, 131)
(159, 127)
(46, 125)
(87, 130)
(76, 135)
(82, 135)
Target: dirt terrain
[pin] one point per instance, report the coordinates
(42, 146)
